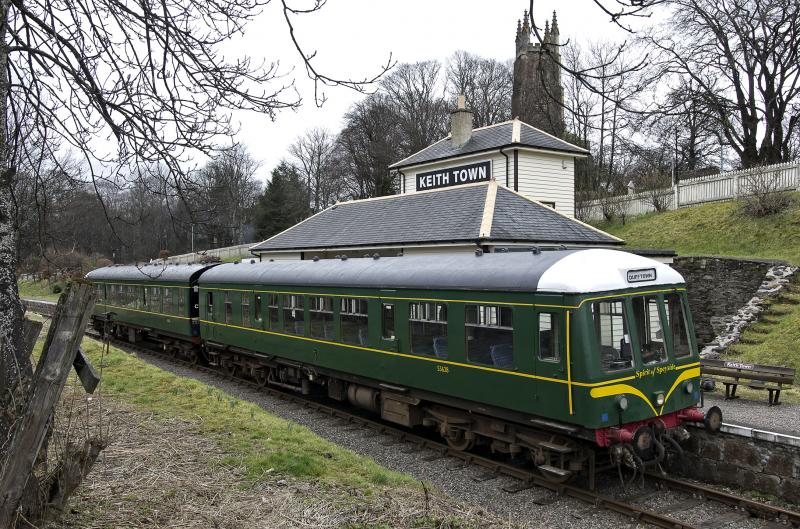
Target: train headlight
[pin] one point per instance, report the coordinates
(659, 399)
(689, 387)
(622, 402)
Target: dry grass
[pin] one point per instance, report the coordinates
(161, 473)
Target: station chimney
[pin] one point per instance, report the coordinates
(460, 123)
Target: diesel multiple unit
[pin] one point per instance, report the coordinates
(547, 354)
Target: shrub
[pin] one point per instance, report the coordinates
(57, 288)
(764, 196)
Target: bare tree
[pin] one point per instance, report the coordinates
(414, 91)
(740, 58)
(226, 190)
(125, 85)
(485, 83)
(316, 157)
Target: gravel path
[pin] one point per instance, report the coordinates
(532, 508)
(757, 413)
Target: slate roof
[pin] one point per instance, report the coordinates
(490, 138)
(442, 216)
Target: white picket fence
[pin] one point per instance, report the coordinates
(700, 190)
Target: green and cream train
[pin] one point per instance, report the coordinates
(549, 354)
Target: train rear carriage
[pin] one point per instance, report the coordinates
(152, 300)
(579, 344)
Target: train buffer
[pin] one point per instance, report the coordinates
(755, 376)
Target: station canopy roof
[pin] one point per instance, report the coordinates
(484, 213)
(491, 138)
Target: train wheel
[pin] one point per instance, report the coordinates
(261, 377)
(457, 439)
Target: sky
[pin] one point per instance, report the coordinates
(354, 38)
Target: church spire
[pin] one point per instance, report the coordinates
(523, 34)
(546, 39)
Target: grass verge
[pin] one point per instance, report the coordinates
(715, 229)
(36, 290)
(260, 443)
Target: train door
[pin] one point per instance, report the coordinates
(550, 358)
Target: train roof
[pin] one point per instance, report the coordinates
(148, 272)
(560, 271)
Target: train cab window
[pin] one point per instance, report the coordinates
(293, 314)
(650, 331)
(427, 323)
(246, 309)
(489, 331)
(257, 308)
(354, 320)
(387, 321)
(228, 308)
(548, 337)
(273, 312)
(677, 322)
(210, 305)
(320, 313)
(613, 335)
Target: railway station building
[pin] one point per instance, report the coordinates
(504, 187)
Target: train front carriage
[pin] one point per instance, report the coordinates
(546, 353)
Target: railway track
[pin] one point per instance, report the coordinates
(741, 508)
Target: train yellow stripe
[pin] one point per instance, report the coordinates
(432, 360)
(444, 300)
(687, 374)
(620, 389)
(143, 311)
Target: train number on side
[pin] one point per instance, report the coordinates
(442, 369)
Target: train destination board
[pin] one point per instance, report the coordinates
(639, 276)
(453, 176)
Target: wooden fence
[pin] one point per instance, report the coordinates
(698, 190)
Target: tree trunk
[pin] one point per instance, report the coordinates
(15, 366)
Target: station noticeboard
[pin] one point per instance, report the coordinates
(455, 176)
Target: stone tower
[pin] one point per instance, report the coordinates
(537, 96)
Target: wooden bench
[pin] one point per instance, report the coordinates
(755, 376)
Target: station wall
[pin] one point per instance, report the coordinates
(546, 177)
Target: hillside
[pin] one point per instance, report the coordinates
(715, 229)
(720, 229)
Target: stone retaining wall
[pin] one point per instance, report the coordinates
(746, 463)
(718, 287)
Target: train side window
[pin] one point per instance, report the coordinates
(167, 300)
(210, 305)
(181, 307)
(274, 312)
(427, 324)
(293, 314)
(354, 321)
(676, 317)
(613, 335)
(228, 307)
(246, 309)
(321, 316)
(387, 321)
(647, 316)
(156, 299)
(257, 308)
(548, 337)
(131, 297)
(489, 332)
